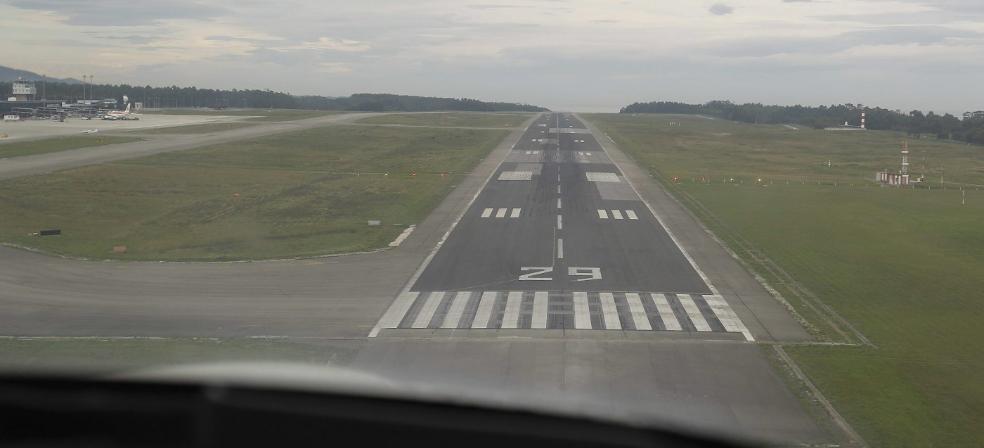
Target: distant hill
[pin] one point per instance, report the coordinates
(8, 74)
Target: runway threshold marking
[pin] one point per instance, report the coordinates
(638, 312)
(693, 312)
(669, 319)
(514, 302)
(427, 312)
(456, 310)
(540, 308)
(582, 314)
(484, 312)
(609, 312)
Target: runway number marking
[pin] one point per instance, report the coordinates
(540, 273)
(536, 273)
(591, 273)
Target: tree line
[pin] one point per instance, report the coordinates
(178, 97)
(915, 123)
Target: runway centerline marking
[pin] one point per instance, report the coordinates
(560, 222)
(602, 214)
(501, 212)
(631, 214)
(487, 212)
(560, 248)
(558, 204)
(515, 213)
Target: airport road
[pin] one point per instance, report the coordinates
(49, 162)
(568, 321)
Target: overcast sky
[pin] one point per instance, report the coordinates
(568, 55)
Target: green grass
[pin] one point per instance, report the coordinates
(263, 115)
(303, 193)
(197, 128)
(719, 150)
(474, 119)
(55, 144)
(904, 266)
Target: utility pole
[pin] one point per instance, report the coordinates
(44, 89)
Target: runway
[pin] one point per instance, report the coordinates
(559, 239)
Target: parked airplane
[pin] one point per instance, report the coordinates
(121, 115)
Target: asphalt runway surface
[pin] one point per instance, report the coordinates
(580, 334)
(559, 239)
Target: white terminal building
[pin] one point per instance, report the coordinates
(23, 91)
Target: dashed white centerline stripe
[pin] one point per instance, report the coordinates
(487, 212)
(638, 312)
(666, 313)
(515, 213)
(514, 302)
(560, 248)
(427, 311)
(560, 222)
(631, 214)
(484, 312)
(540, 300)
(456, 309)
(558, 203)
(558, 189)
(602, 214)
(693, 313)
(501, 212)
(582, 315)
(609, 311)
(616, 214)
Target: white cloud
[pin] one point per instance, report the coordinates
(548, 52)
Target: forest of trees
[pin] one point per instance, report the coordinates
(174, 97)
(915, 122)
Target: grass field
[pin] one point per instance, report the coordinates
(903, 266)
(476, 119)
(304, 193)
(197, 128)
(263, 115)
(55, 144)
